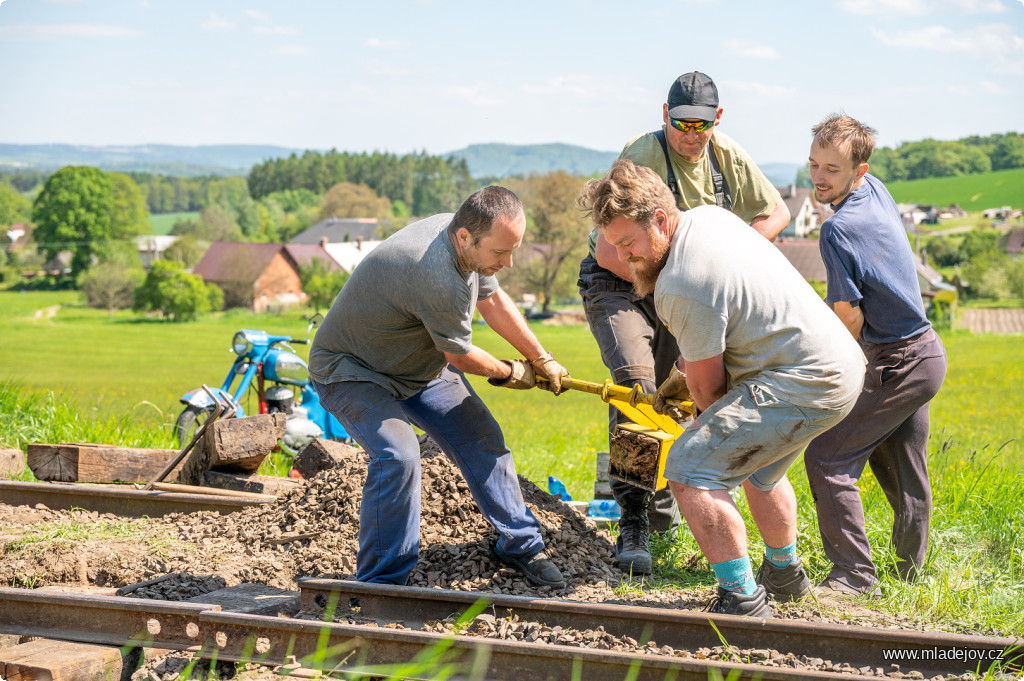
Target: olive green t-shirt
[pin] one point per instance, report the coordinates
(753, 196)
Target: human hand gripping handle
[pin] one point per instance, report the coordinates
(546, 367)
(673, 388)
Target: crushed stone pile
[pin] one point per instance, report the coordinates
(313, 531)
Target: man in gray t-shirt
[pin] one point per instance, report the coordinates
(761, 356)
(392, 353)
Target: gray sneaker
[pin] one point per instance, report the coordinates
(788, 583)
(736, 603)
(833, 588)
(632, 550)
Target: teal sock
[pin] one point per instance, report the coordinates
(736, 575)
(781, 557)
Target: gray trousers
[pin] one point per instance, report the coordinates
(637, 348)
(887, 430)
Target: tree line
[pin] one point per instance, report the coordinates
(936, 158)
(416, 184)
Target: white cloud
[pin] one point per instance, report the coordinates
(157, 84)
(293, 51)
(740, 48)
(145, 4)
(215, 22)
(920, 7)
(376, 67)
(257, 15)
(992, 88)
(34, 32)
(996, 42)
(388, 44)
(477, 96)
(758, 89)
(275, 30)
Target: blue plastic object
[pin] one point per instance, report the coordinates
(557, 489)
(605, 508)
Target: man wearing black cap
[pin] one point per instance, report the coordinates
(702, 167)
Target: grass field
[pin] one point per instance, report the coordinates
(77, 376)
(970, 192)
(164, 222)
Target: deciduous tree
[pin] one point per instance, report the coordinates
(179, 296)
(73, 212)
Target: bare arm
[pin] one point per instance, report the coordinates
(480, 363)
(770, 226)
(607, 258)
(705, 379)
(502, 315)
(852, 317)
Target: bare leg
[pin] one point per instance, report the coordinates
(714, 520)
(774, 512)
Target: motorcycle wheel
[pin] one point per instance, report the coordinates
(188, 421)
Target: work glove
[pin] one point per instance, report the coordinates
(521, 378)
(548, 368)
(674, 388)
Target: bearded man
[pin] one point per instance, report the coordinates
(763, 358)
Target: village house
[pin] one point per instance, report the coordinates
(152, 246)
(260, 277)
(339, 230)
(806, 214)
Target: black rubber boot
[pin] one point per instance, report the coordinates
(632, 548)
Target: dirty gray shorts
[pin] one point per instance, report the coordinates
(748, 433)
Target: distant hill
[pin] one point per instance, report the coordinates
(971, 192)
(167, 159)
(780, 174)
(502, 160)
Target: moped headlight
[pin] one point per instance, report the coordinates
(241, 344)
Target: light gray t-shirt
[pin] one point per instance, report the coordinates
(406, 304)
(726, 290)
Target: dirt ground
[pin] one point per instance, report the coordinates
(312, 531)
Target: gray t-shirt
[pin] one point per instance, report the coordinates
(406, 304)
(726, 290)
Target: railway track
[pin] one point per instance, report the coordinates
(394, 624)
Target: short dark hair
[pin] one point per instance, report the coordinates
(479, 212)
(838, 130)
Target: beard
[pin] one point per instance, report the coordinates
(646, 270)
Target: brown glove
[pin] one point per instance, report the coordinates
(546, 366)
(521, 378)
(673, 388)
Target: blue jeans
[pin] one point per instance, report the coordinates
(451, 413)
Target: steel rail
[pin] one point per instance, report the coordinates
(938, 652)
(207, 631)
(123, 500)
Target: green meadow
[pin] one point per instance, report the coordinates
(68, 373)
(971, 192)
(164, 222)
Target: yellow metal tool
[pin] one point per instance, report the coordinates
(638, 407)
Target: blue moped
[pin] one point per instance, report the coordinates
(264, 358)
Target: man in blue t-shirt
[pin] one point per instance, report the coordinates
(873, 288)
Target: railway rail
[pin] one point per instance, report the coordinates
(210, 631)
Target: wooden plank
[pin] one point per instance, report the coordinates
(254, 484)
(90, 462)
(12, 462)
(321, 455)
(234, 445)
(49, 660)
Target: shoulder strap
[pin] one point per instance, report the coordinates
(722, 197)
(670, 180)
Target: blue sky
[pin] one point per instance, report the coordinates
(438, 75)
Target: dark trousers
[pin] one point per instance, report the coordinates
(888, 430)
(637, 348)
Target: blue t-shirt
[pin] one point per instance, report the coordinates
(870, 264)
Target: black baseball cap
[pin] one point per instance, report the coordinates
(693, 95)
